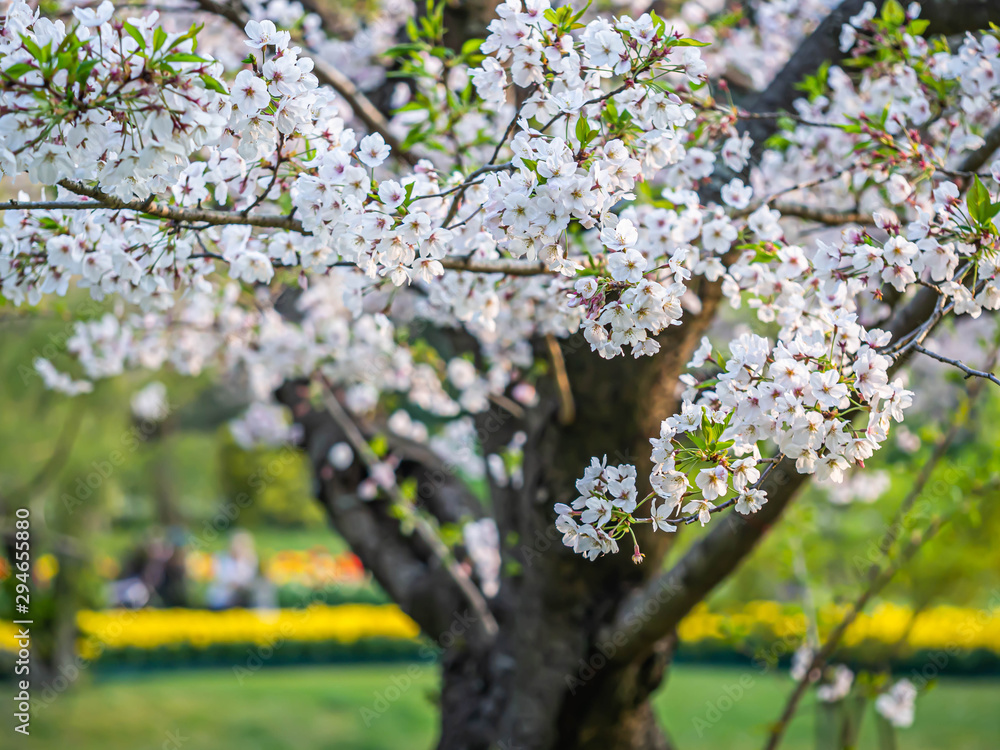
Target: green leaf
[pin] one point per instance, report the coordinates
(688, 42)
(979, 201)
(39, 53)
(83, 70)
(191, 34)
(471, 46)
(380, 445)
(65, 60)
(893, 13)
(211, 83)
(18, 70)
(763, 256)
(184, 57)
(815, 86)
(579, 13)
(411, 29)
(407, 47)
(133, 32)
(159, 37)
(659, 23)
(611, 110)
(416, 135)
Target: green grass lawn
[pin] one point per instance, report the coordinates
(350, 708)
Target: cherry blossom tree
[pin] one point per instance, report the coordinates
(492, 244)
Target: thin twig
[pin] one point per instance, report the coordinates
(689, 519)
(421, 527)
(274, 177)
(820, 216)
(877, 576)
(969, 372)
(49, 205)
(567, 406)
(362, 107)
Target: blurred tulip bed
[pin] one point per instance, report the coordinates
(313, 568)
(956, 640)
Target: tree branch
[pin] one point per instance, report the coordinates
(820, 216)
(969, 372)
(976, 159)
(946, 17)
(171, 213)
(820, 46)
(949, 17)
(101, 200)
(403, 564)
(420, 526)
(878, 578)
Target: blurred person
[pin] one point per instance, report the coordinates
(236, 581)
(153, 574)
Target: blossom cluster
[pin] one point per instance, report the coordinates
(571, 174)
(803, 396)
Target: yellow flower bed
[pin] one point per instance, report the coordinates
(937, 628)
(155, 628)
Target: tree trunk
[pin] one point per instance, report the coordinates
(551, 679)
(588, 705)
